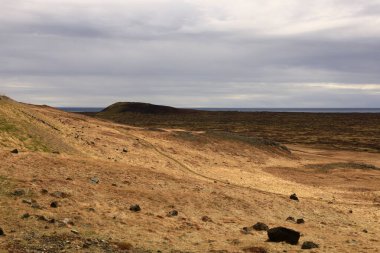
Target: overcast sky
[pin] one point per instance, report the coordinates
(190, 53)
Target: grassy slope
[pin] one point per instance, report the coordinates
(221, 176)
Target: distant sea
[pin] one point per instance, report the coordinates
(309, 110)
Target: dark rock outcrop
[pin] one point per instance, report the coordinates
(294, 197)
(282, 234)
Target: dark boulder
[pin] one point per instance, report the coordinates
(135, 208)
(14, 151)
(309, 245)
(300, 221)
(2, 232)
(54, 204)
(282, 234)
(259, 226)
(294, 197)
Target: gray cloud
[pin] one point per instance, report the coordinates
(191, 53)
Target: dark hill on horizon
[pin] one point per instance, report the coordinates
(145, 108)
(334, 130)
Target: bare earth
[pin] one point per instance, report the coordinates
(235, 184)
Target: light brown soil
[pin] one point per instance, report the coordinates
(234, 183)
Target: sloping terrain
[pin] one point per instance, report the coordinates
(72, 183)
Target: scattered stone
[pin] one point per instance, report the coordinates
(14, 151)
(135, 208)
(350, 211)
(56, 152)
(206, 219)
(246, 230)
(114, 184)
(35, 205)
(54, 204)
(59, 194)
(300, 221)
(294, 197)
(19, 192)
(172, 213)
(125, 150)
(25, 216)
(69, 179)
(290, 218)
(2, 232)
(259, 226)
(41, 218)
(365, 231)
(94, 180)
(282, 234)
(27, 201)
(74, 231)
(68, 221)
(44, 191)
(309, 245)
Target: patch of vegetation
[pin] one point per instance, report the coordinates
(254, 141)
(6, 126)
(331, 166)
(5, 186)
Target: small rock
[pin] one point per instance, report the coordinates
(59, 194)
(44, 191)
(294, 197)
(135, 208)
(350, 211)
(309, 245)
(14, 151)
(2, 232)
(54, 204)
(114, 184)
(74, 231)
(68, 221)
(25, 216)
(69, 179)
(172, 213)
(94, 180)
(365, 231)
(18, 192)
(27, 201)
(259, 226)
(282, 234)
(206, 219)
(41, 218)
(35, 205)
(300, 221)
(246, 230)
(125, 150)
(290, 218)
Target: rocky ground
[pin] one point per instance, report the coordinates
(78, 184)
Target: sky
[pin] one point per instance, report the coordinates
(191, 53)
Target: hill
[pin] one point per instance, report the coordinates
(145, 108)
(347, 131)
(75, 180)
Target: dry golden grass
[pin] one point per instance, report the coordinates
(235, 183)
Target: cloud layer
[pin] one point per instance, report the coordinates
(242, 53)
